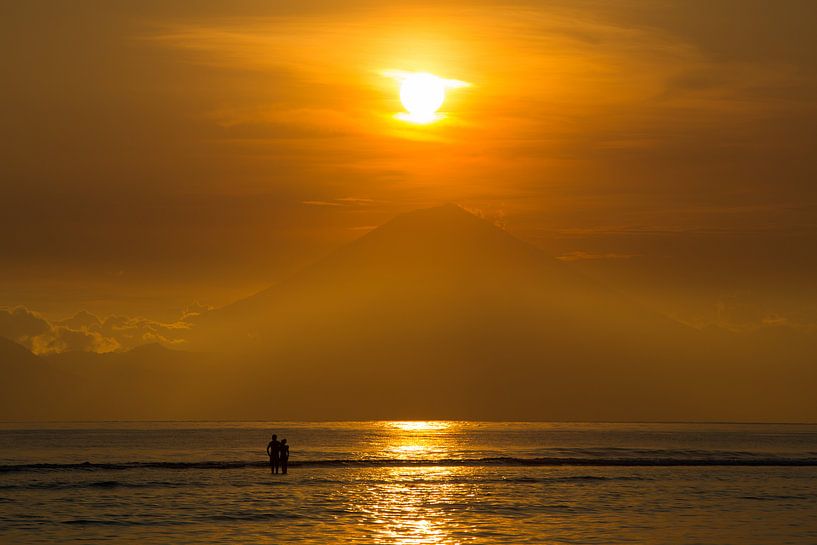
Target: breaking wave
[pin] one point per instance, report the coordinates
(447, 462)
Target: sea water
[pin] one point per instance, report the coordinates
(408, 483)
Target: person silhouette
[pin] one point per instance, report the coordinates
(284, 452)
(274, 453)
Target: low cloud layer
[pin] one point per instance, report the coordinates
(90, 333)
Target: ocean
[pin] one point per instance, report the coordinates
(409, 483)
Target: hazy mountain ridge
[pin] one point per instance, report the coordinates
(12, 353)
(149, 381)
(439, 314)
(443, 254)
(29, 387)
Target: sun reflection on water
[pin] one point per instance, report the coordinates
(420, 425)
(418, 440)
(413, 505)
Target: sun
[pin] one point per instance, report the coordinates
(422, 94)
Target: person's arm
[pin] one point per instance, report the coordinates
(268, 446)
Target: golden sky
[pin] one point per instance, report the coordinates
(160, 153)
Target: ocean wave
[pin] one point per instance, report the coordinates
(401, 462)
(107, 484)
(112, 484)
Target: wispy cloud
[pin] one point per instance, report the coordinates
(322, 203)
(585, 256)
(357, 202)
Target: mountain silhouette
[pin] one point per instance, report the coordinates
(13, 354)
(440, 261)
(441, 304)
(435, 314)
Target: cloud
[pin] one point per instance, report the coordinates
(496, 216)
(133, 331)
(82, 319)
(584, 256)
(321, 203)
(194, 309)
(356, 202)
(20, 324)
(65, 339)
(89, 333)
(363, 228)
(740, 313)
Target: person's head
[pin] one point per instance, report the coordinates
(274, 437)
(283, 441)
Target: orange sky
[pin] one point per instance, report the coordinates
(161, 153)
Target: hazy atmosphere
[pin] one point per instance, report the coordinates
(615, 198)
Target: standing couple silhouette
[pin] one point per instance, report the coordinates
(278, 452)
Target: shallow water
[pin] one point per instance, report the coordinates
(387, 482)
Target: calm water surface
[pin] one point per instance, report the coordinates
(409, 483)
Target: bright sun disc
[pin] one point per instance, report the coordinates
(422, 95)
